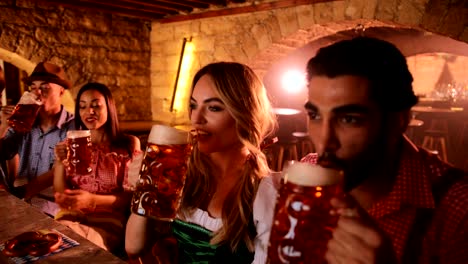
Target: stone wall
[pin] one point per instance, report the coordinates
(261, 38)
(90, 46)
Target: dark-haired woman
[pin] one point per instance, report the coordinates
(96, 204)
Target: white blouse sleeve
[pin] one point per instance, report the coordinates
(263, 210)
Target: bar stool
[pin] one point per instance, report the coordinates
(304, 143)
(436, 137)
(413, 124)
(287, 150)
(436, 140)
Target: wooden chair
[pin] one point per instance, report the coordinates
(304, 143)
(286, 150)
(436, 136)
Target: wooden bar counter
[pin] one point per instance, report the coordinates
(17, 216)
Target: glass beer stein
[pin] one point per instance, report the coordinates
(302, 224)
(162, 175)
(79, 151)
(25, 113)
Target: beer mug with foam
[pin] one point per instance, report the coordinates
(302, 223)
(162, 175)
(79, 151)
(25, 113)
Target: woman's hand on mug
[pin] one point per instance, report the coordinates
(76, 200)
(61, 152)
(357, 237)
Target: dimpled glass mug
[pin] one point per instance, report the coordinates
(25, 113)
(79, 151)
(302, 224)
(162, 175)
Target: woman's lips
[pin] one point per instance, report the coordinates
(200, 134)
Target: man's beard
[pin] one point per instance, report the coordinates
(360, 168)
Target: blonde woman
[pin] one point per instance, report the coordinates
(219, 222)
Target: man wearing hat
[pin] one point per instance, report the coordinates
(36, 147)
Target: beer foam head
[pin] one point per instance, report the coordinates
(165, 135)
(78, 133)
(312, 175)
(29, 98)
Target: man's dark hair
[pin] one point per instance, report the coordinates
(378, 61)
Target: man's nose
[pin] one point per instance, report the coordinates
(37, 92)
(328, 140)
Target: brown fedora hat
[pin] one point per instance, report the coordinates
(48, 72)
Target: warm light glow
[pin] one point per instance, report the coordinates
(318, 194)
(285, 111)
(293, 81)
(183, 85)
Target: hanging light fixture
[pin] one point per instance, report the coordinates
(182, 82)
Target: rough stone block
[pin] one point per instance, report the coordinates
(161, 32)
(338, 10)
(287, 20)
(369, 9)
(79, 21)
(219, 54)
(272, 26)
(205, 58)
(27, 18)
(305, 16)
(451, 25)
(26, 45)
(170, 47)
(183, 29)
(409, 13)
(261, 36)
(323, 12)
(249, 45)
(24, 3)
(124, 26)
(387, 10)
(206, 43)
(216, 26)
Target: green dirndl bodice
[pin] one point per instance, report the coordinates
(194, 246)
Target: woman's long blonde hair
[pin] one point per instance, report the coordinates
(246, 100)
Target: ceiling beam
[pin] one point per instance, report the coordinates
(241, 10)
(104, 8)
(135, 5)
(208, 2)
(144, 5)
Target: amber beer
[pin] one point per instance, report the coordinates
(302, 223)
(25, 113)
(162, 174)
(79, 151)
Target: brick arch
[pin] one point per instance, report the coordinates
(28, 66)
(316, 35)
(313, 22)
(260, 39)
(19, 61)
(410, 41)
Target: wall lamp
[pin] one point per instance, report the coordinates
(182, 82)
